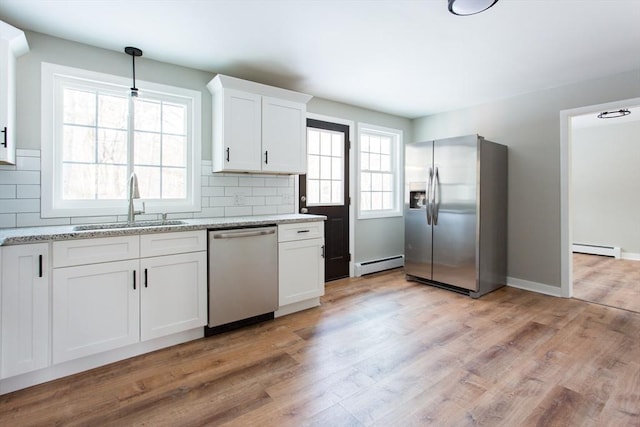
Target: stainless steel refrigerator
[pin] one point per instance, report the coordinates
(456, 214)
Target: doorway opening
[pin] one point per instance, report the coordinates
(591, 277)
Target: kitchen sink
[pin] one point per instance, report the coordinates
(120, 225)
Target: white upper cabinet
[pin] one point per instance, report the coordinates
(257, 128)
(13, 43)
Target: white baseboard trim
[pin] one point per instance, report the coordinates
(631, 256)
(376, 265)
(612, 251)
(540, 288)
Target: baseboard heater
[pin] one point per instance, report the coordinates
(612, 251)
(374, 266)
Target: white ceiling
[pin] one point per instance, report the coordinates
(406, 57)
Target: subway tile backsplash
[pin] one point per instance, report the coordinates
(223, 195)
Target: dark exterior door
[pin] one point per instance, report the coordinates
(324, 190)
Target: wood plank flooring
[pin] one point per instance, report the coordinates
(607, 281)
(380, 351)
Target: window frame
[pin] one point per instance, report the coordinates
(52, 205)
(396, 161)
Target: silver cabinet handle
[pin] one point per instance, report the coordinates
(237, 234)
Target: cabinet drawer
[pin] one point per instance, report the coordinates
(172, 243)
(300, 231)
(91, 251)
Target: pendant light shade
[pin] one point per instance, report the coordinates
(133, 51)
(469, 7)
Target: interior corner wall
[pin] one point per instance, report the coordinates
(605, 187)
(529, 125)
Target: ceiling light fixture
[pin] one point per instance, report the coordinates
(469, 7)
(613, 114)
(133, 51)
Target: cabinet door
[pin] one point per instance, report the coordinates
(96, 308)
(241, 137)
(25, 308)
(284, 141)
(301, 270)
(7, 104)
(174, 294)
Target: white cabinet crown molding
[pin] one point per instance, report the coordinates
(221, 81)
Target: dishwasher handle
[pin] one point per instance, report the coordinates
(248, 233)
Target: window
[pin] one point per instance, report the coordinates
(379, 167)
(97, 135)
(325, 162)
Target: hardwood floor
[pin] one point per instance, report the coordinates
(607, 281)
(380, 351)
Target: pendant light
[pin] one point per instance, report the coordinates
(469, 7)
(133, 51)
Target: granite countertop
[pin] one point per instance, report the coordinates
(15, 236)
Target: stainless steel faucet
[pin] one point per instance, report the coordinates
(134, 193)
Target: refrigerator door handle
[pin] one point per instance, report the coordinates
(428, 201)
(436, 197)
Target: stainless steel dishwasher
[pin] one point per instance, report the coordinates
(243, 277)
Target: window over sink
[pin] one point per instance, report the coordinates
(95, 135)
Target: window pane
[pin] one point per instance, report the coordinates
(337, 144)
(336, 192)
(376, 201)
(336, 168)
(78, 182)
(79, 107)
(364, 161)
(147, 115)
(376, 181)
(313, 191)
(112, 146)
(148, 182)
(174, 183)
(313, 141)
(313, 167)
(112, 182)
(365, 181)
(374, 162)
(385, 163)
(385, 145)
(387, 182)
(387, 200)
(325, 167)
(365, 201)
(173, 119)
(174, 151)
(325, 191)
(364, 142)
(78, 144)
(325, 143)
(112, 111)
(146, 148)
(374, 144)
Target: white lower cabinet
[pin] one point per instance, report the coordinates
(174, 294)
(103, 306)
(95, 308)
(24, 281)
(300, 265)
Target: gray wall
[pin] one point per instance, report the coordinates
(606, 185)
(374, 238)
(530, 126)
